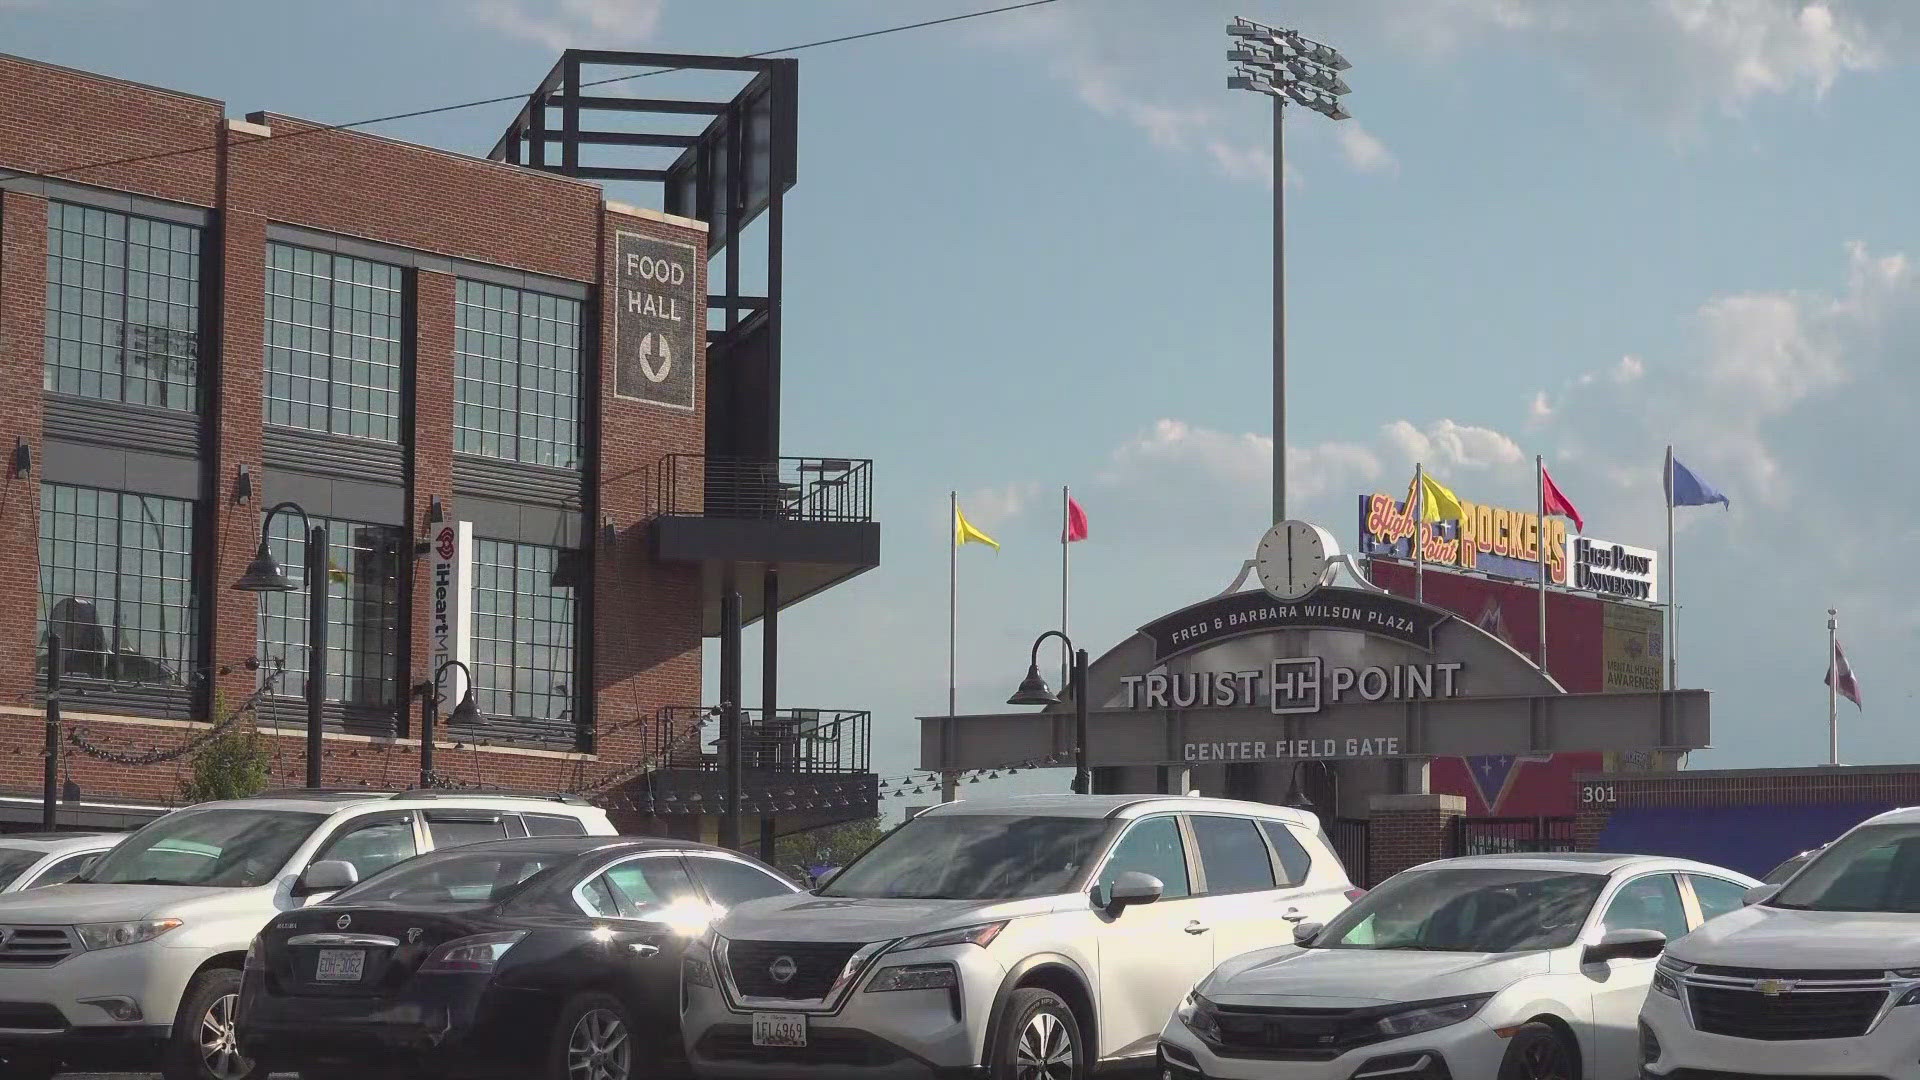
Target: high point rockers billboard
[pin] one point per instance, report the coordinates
(1502, 543)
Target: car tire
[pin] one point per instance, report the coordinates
(595, 1039)
(1539, 1052)
(204, 1046)
(1039, 1040)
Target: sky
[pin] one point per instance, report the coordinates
(1033, 250)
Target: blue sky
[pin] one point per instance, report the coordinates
(1032, 250)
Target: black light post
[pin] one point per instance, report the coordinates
(265, 575)
(50, 778)
(467, 712)
(1034, 691)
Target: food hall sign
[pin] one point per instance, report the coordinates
(656, 303)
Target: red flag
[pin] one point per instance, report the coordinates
(1555, 503)
(1076, 523)
(1848, 687)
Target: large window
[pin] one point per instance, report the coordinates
(516, 375)
(123, 307)
(363, 610)
(333, 343)
(523, 637)
(116, 584)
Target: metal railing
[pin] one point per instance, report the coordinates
(785, 489)
(801, 741)
(1351, 840)
(1508, 835)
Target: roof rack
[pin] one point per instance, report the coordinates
(486, 793)
(323, 793)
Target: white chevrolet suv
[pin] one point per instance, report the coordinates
(137, 963)
(1031, 936)
(1819, 977)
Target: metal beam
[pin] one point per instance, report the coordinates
(643, 105)
(634, 138)
(689, 61)
(599, 172)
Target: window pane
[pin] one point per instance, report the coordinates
(447, 834)
(553, 825)
(1232, 854)
(123, 314)
(372, 848)
(644, 886)
(524, 651)
(729, 883)
(1294, 860)
(363, 611)
(1651, 903)
(516, 375)
(333, 333)
(115, 585)
(1151, 847)
(1717, 896)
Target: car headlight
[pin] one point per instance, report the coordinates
(699, 969)
(112, 935)
(1198, 1014)
(476, 954)
(1428, 1015)
(966, 935)
(1664, 983)
(914, 977)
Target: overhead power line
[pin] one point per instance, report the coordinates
(505, 98)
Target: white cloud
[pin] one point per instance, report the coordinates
(1447, 445)
(1628, 370)
(993, 506)
(561, 24)
(1363, 150)
(1540, 409)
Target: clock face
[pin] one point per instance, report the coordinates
(1292, 559)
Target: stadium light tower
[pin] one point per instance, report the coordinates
(1292, 69)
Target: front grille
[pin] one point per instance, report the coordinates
(1291, 1034)
(1847, 975)
(816, 965)
(31, 1016)
(1788, 1017)
(1715, 1074)
(846, 1049)
(35, 946)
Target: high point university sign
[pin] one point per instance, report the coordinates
(655, 317)
(1614, 569)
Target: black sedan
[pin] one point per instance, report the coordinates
(547, 957)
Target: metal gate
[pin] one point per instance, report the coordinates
(1351, 839)
(1507, 835)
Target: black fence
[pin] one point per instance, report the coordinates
(802, 741)
(1508, 835)
(783, 489)
(1352, 840)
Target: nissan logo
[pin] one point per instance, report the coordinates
(783, 970)
(343, 922)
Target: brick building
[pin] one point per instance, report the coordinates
(203, 317)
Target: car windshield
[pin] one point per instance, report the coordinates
(218, 848)
(451, 877)
(14, 862)
(974, 857)
(1873, 868)
(1785, 870)
(1468, 909)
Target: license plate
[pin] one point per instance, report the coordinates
(779, 1029)
(340, 965)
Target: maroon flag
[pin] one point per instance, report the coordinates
(1552, 502)
(1847, 686)
(1076, 523)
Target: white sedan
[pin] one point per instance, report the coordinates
(1503, 967)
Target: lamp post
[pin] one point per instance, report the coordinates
(264, 575)
(467, 712)
(1288, 68)
(1034, 691)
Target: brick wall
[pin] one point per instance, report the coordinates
(1408, 830)
(645, 634)
(1859, 784)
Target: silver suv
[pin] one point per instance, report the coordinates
(1024, 936)
(136, 964)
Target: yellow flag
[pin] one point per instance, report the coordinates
(964, 531)
(1439, 504)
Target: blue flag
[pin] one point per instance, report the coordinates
(1687, 489)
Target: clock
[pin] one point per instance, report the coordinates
(1293, 559)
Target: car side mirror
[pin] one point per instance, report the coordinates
(1305, 932)
(1133, 887)
(1759, 894)
(331, 875)
(1625, 945)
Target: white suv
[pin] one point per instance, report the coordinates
(137, 963)
(1816, 977)
(1026, 936)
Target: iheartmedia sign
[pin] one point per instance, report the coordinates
(1611, 569)
(450, 594)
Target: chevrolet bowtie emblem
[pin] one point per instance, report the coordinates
(1774, 987)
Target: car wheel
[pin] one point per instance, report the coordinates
(594, 1040)
(1039, 1041)
(1538, 1052)
(204, 1044)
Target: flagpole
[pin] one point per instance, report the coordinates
(1673, 608)
(1066, 656)
(1833, 688)
(947, 780)
(1417, 507)
(1540, 493)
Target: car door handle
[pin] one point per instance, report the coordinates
(1196, 927)
(1294, 914)
(643, 950)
